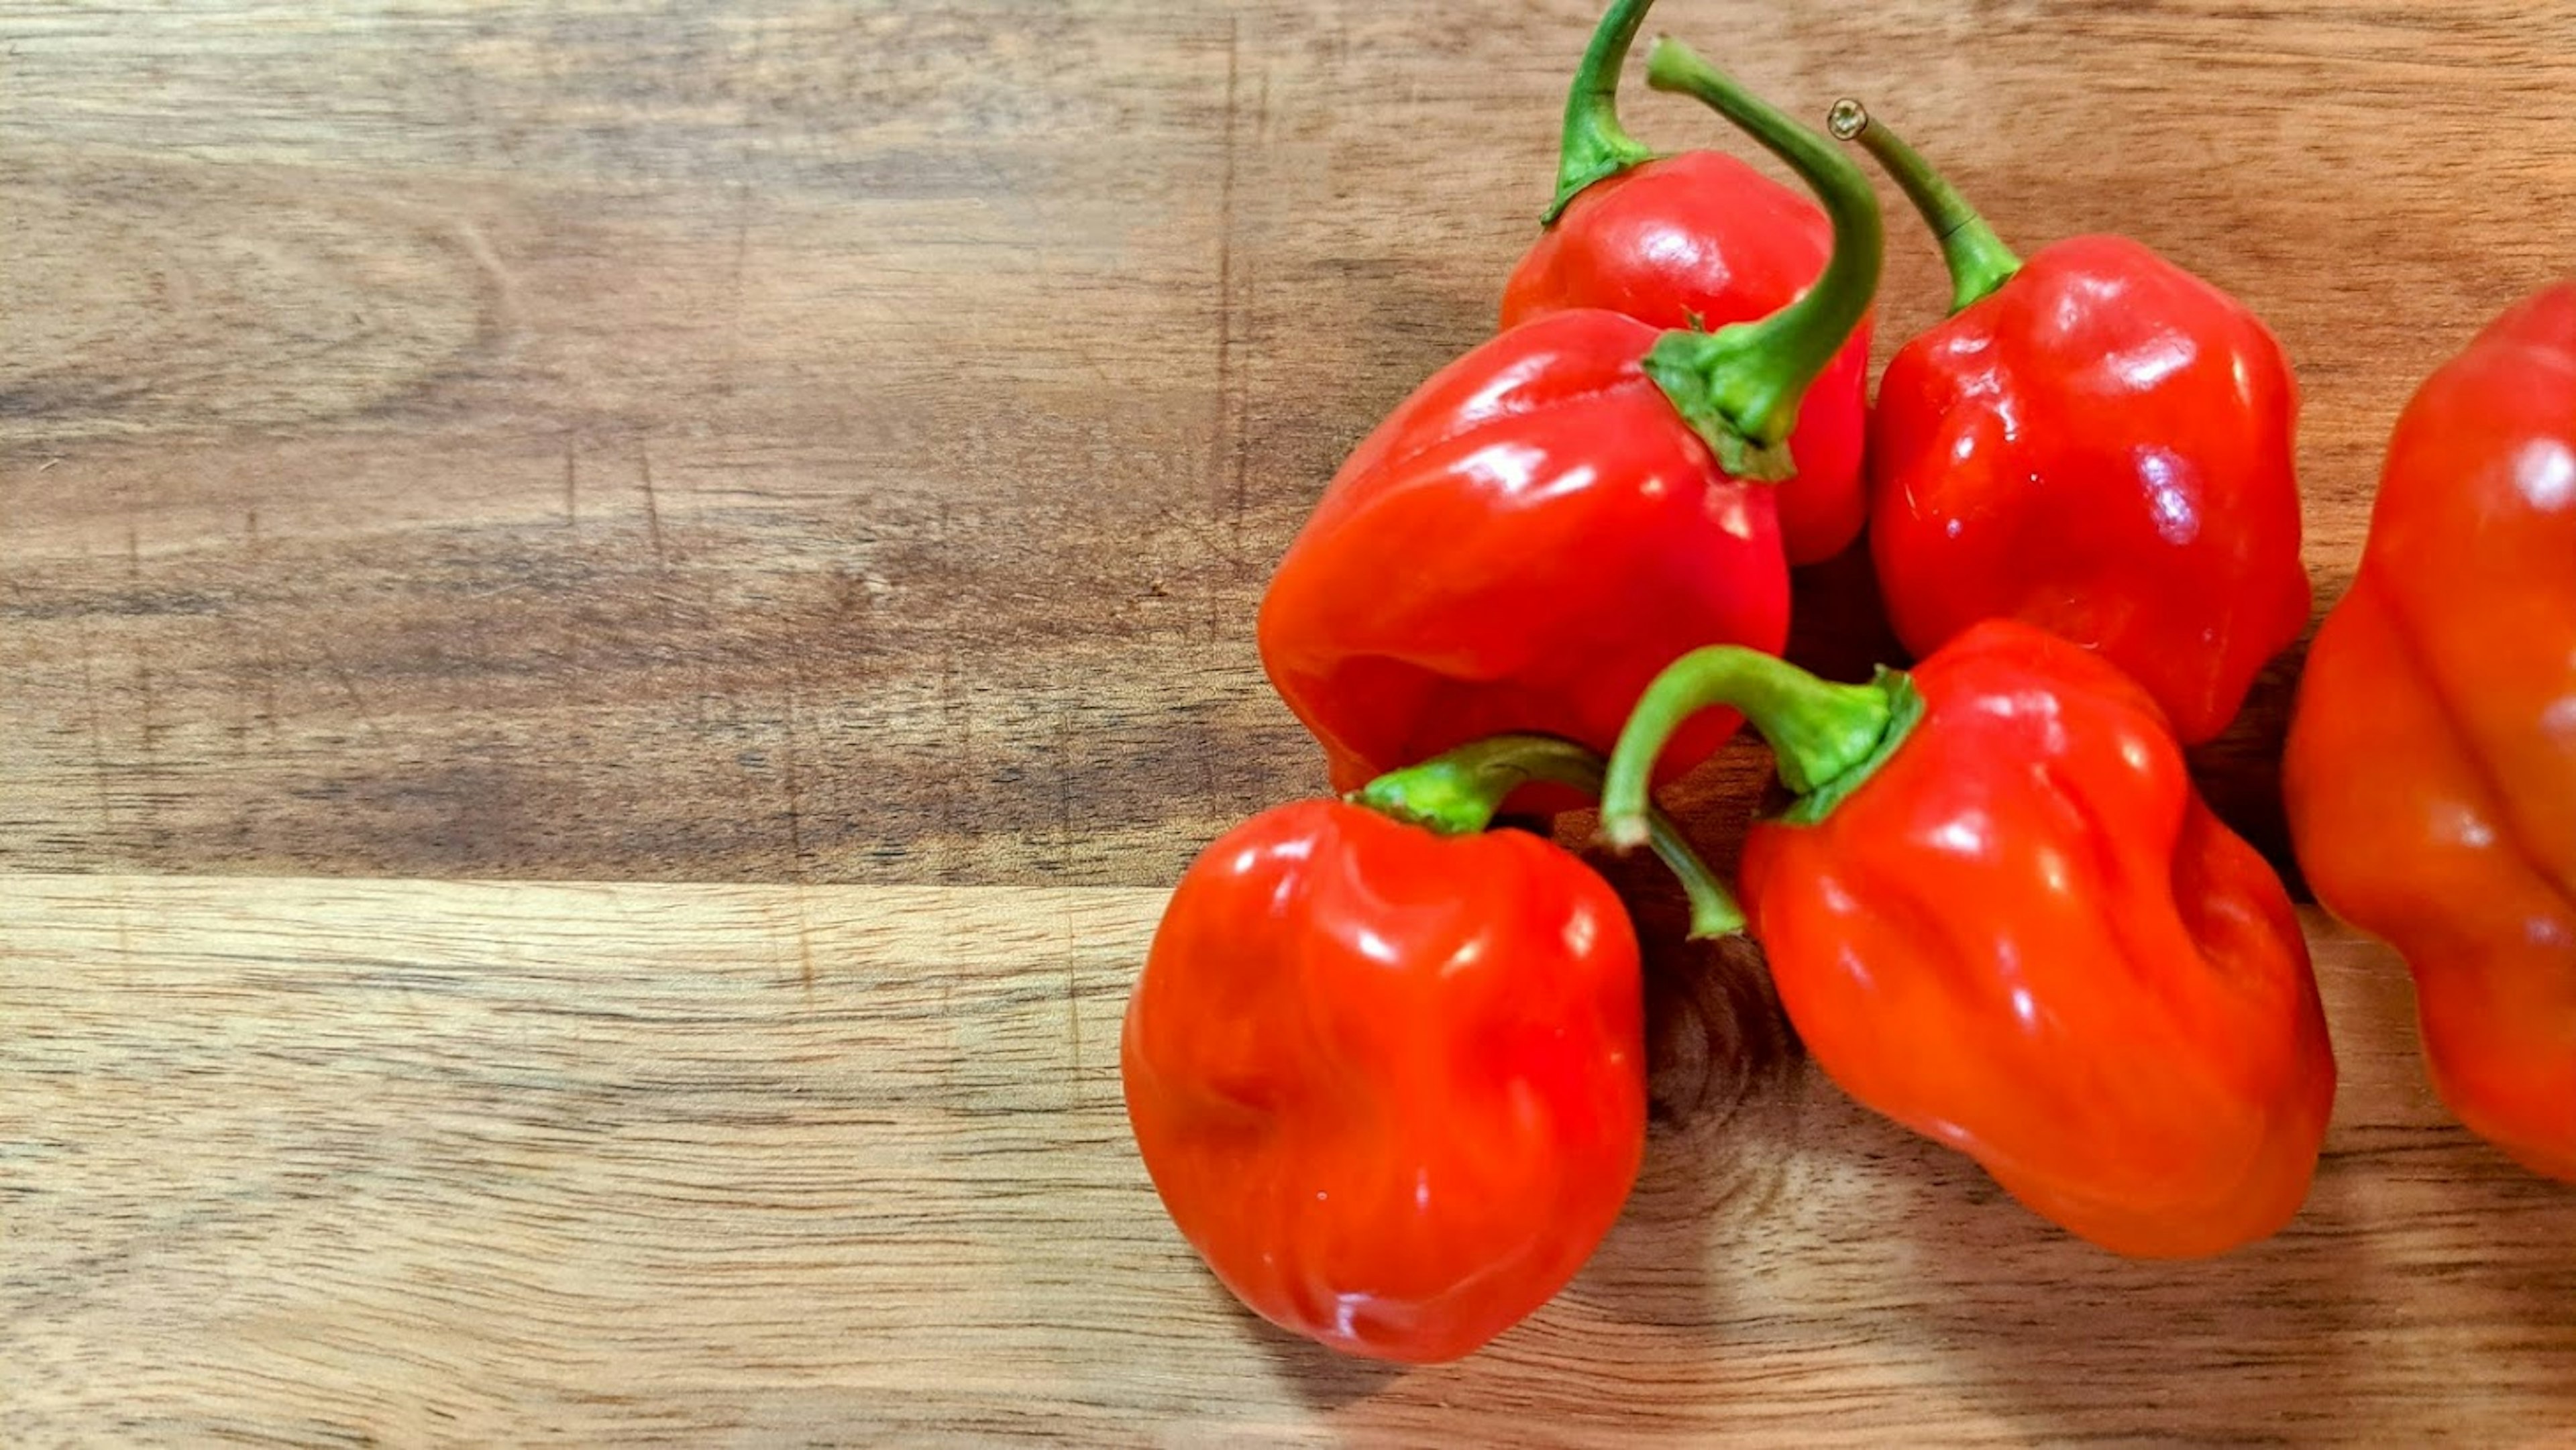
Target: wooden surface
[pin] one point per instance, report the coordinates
(349, 1162)
(810, 468)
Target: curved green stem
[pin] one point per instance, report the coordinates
(1456, 794)
(1595, 146)
(1826, 738)
(1740, 387)
(1978, 260)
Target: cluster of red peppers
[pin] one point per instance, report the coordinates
(1386, 1066)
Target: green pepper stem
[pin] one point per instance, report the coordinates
(1978, 260)
(1826, 738)
(1595, 146)
(1740, 387)
(1456, 794)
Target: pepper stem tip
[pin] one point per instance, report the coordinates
(1977, 258)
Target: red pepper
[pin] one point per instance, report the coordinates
(1388, 1073)
(2430, 772)
(1551, 518)
(2001, 915)
(1697, 239)
(2096, 442)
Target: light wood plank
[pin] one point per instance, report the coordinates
(331, 1162)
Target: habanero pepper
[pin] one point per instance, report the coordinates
(1697, 239)
(1548, 520)
(2095, 441)
(1386, 1069)
(2430, 773)
(2001, 915)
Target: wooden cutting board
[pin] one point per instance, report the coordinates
(807, 469)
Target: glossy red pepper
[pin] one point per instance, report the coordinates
(1388, 1073)
(2430, 773)
(1697, 239)
(2001, 915)
(1551, 518)
(2096, 442)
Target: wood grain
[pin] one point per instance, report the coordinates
(805, 442)
(333, 1162)
(836, 449)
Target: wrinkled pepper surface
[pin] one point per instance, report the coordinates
(1550, 519)
(2430, 773)
(2096, 442)
(1386, 1069)
(2000, 914)
(1698, 239)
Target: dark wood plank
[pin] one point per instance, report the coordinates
(846, 442)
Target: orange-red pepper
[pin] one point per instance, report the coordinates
(2430, 773)
(2096, 442)
(1697, 239)
(1388, 1070)
(2001, 915)
(1554, 516)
